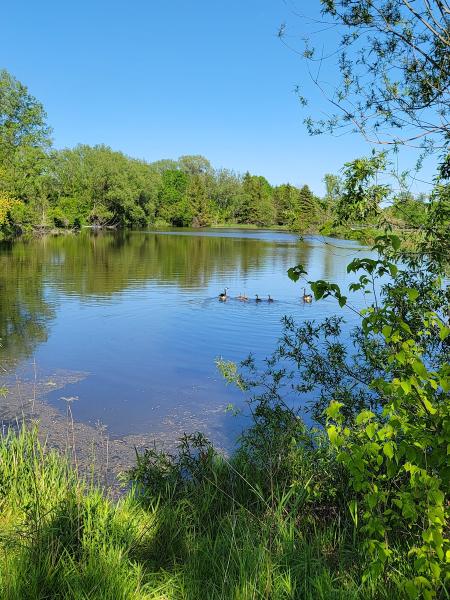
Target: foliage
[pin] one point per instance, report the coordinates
(166, 476)
(394, 439)
(393, 60)
(7, 207)
(22, 118)
(286, 199)
(384, 396)
(333, 187)
(256, 201)
(409, 210)
(217, 537)
(100, 187)
(94, 185)
(435, 243)
(197, 199)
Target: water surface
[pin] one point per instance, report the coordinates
(138, 312)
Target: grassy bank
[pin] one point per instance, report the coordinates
(193, 527)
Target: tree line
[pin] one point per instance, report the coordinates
(43, 188)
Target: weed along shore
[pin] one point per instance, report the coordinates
(95, 455)
(90, 450)
(168, 535)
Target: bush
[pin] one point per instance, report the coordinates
(68, 213)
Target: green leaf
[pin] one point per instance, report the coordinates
(445, 384)
(371, 430)
(395, 241)
(342, 301)
(364, 416)
(444, 332)
(412, 294)
(388, 449)
(387, 330)
(353, 507)
(420, 369)
(430, 408)
(401, 357)
(411, 589)
(333, 409)
(393, 269)
(294, 273)
(333, 434)
(405, 385)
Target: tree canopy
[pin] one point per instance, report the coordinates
(42, 187)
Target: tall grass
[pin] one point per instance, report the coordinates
(194, 527)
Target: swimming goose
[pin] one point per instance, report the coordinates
(269, 299)
(258, 299)
(223, 296)
(307, 297)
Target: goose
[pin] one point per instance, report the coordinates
(307, 297)
(242, 297)
(258, 299)
(223, 296)
(269, 299)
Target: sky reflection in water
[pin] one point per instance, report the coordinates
(138, 312)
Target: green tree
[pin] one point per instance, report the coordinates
(257, 205)
(333, 188)
(287, 204)
(390, 429)
(194, 165)
(198, 201)
(309, 213)
(100, 186)
(408, 211)
(172, 204)
(22, 118)
(224, 188)
(24, 160)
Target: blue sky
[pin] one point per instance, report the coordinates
(161, 78)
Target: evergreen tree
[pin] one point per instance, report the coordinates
(198, 202)
(258, 200)
(308, 211)
(286, 198)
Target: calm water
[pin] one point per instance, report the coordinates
(138, 313)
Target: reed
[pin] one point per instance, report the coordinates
(202, 529)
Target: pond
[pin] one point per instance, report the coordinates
(137, 313)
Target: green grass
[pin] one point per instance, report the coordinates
(215, 536)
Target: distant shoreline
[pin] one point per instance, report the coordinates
(366, 236)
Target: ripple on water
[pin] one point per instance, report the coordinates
(139, 312)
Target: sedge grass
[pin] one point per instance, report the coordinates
(62, 538)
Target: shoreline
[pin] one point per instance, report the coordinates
(98, 455)
(61, 231)
(91, 450)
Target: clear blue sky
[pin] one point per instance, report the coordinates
(161, 78)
